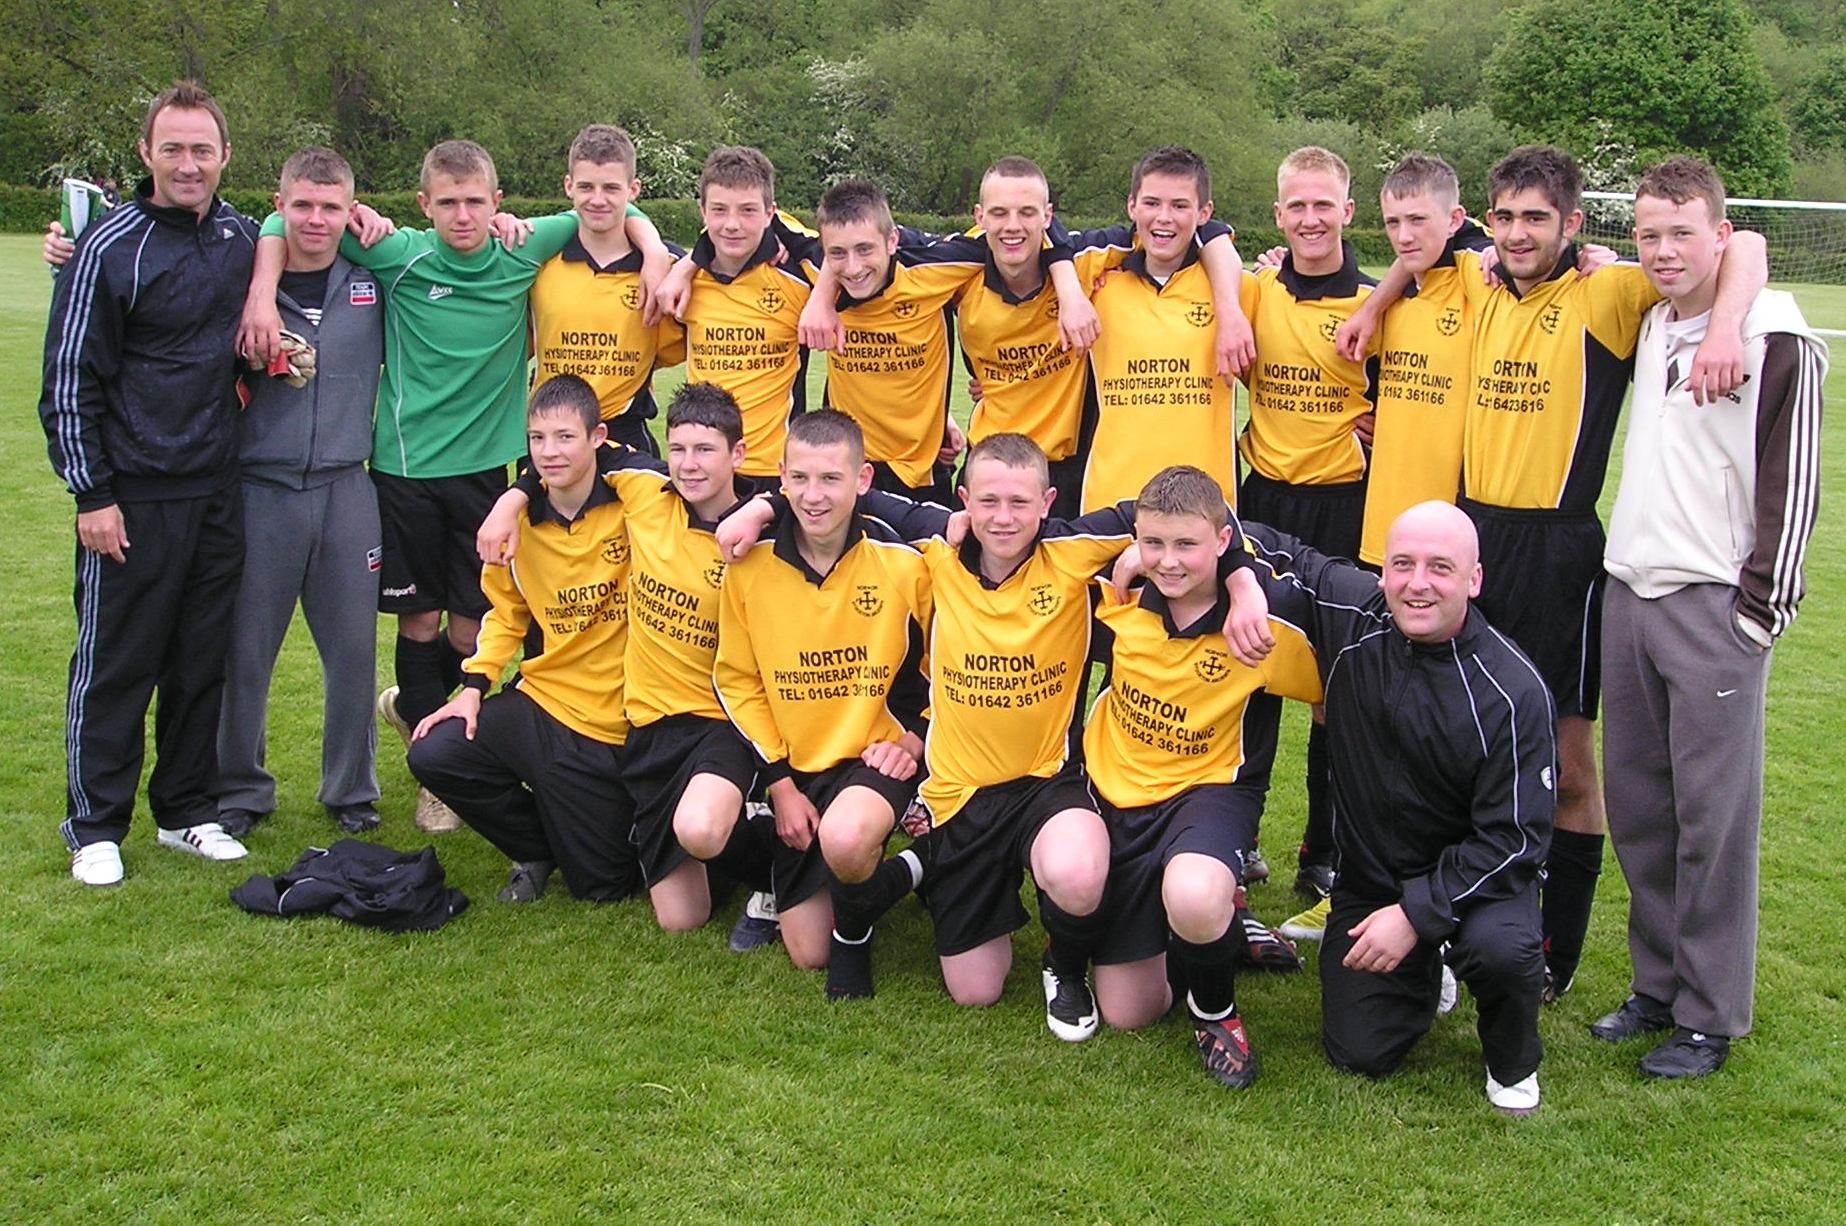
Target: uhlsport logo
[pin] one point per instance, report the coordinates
(1211, 666)
(866, 601)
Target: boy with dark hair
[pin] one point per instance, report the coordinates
(1156, 365)
(1180, 757)
(1552, 354)
(310, 512)
(587, 301)
(820, 643)
(537, 769)
(1706, 545)
(449, 408)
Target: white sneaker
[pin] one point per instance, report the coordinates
(1449, 994)
(97, 864)
(387, 711)
(1520, 1098)
(434, 817)
(206, 839)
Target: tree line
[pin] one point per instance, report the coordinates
(922, 94)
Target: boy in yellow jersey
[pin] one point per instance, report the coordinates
(1552, 355)
(889, 365)
(1424, 342)
(537, 769)
(1308, 409)
(1025, 347)
(1155, 365)
(1181, 757)
(820, 647)
(685, 766)
(587, 316)
(740, 306)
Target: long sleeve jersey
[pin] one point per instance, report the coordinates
(1444, 754)
(813, 668)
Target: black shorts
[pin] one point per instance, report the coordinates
(972, 862)
(796, 875)
(1214, 819)
(1329, 518)
(1541, 586)
(659, 760)
(429, 525)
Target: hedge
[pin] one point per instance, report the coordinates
(27, 209)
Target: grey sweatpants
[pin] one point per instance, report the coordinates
(1682, 734)
(320, 546)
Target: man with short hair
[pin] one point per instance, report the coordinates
(140, 413)
(1309, 408)
(537, 768)
(1155, 365)
(450, 409)
(310, 512)
(1444, 762)
(1706, 545)
(820, 645)
(587, 301)
(1553, 350)
(1181, 758)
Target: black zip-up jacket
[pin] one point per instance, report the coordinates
(140, 400)
(1444, 754)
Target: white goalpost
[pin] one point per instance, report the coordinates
(1807, 238)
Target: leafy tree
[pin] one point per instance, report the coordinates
(1669, 76)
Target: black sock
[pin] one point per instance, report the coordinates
(419, 679)
(1570, 888)
(849, 967)
(1210, 971)
(857, 907)
(1070, 939)
(451, 665)
(1317, 838)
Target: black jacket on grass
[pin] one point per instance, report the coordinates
(1444, 754)
(139, 401)
(378, 887)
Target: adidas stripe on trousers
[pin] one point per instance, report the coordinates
(152, 628)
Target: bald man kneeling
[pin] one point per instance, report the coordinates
(1444, 762)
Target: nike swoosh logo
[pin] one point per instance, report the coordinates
(1726, 693)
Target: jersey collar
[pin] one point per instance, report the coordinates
(575, 253)
(541, 511)
(995, 283)
(1344, 283)
(166, 215)
(703, 253)
(1136, 263)
(1210, 622)
(786, 548)
(1567, 262)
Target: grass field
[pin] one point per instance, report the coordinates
(173, 1059)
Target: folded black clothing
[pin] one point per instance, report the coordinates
(364, 883)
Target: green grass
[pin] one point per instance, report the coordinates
(173, 1059)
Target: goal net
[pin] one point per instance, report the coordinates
(1807, 239)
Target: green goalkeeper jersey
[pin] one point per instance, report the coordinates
(453, 396)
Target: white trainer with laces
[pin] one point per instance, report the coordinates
(97, 864)
(434, 817)
(206, 839)
(1520, 1098)
(1450, 994)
